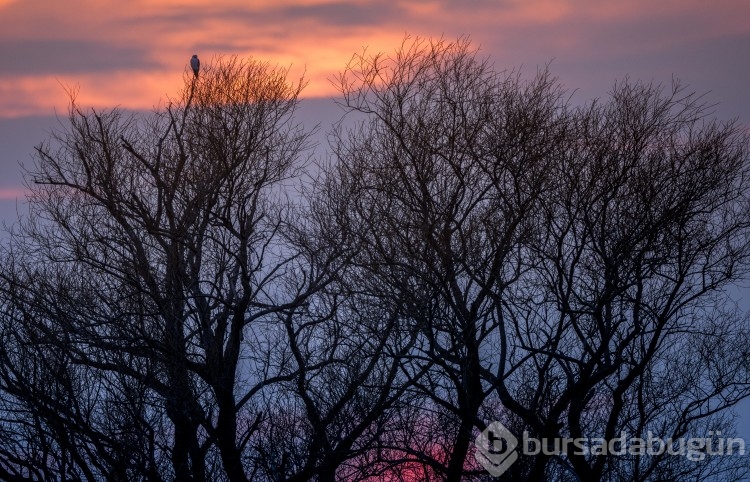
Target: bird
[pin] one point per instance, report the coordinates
(195, 64)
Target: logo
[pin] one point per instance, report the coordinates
(496, 446)
(496, 449)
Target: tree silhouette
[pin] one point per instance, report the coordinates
(191, 299)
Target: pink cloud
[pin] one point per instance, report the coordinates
(11, 194)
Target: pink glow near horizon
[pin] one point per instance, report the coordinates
(12, 194)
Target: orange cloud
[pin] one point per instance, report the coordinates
(133, 54)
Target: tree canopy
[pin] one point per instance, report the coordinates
(195, 296)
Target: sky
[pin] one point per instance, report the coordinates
(133, 53)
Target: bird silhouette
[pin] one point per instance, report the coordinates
(195, 64)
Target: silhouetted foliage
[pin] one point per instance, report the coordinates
(191, 299)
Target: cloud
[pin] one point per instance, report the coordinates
(260, 17)
(338, 15)
(61, 57)
(133, 53)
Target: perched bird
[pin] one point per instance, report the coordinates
(195, 64)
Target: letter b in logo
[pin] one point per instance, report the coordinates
(496, 449)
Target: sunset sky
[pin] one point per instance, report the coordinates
(132, 54)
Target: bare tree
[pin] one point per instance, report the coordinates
(646, 223)
(552, 257)
(448, 169)
(154, 248)
(186, 301)
(179, 286)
